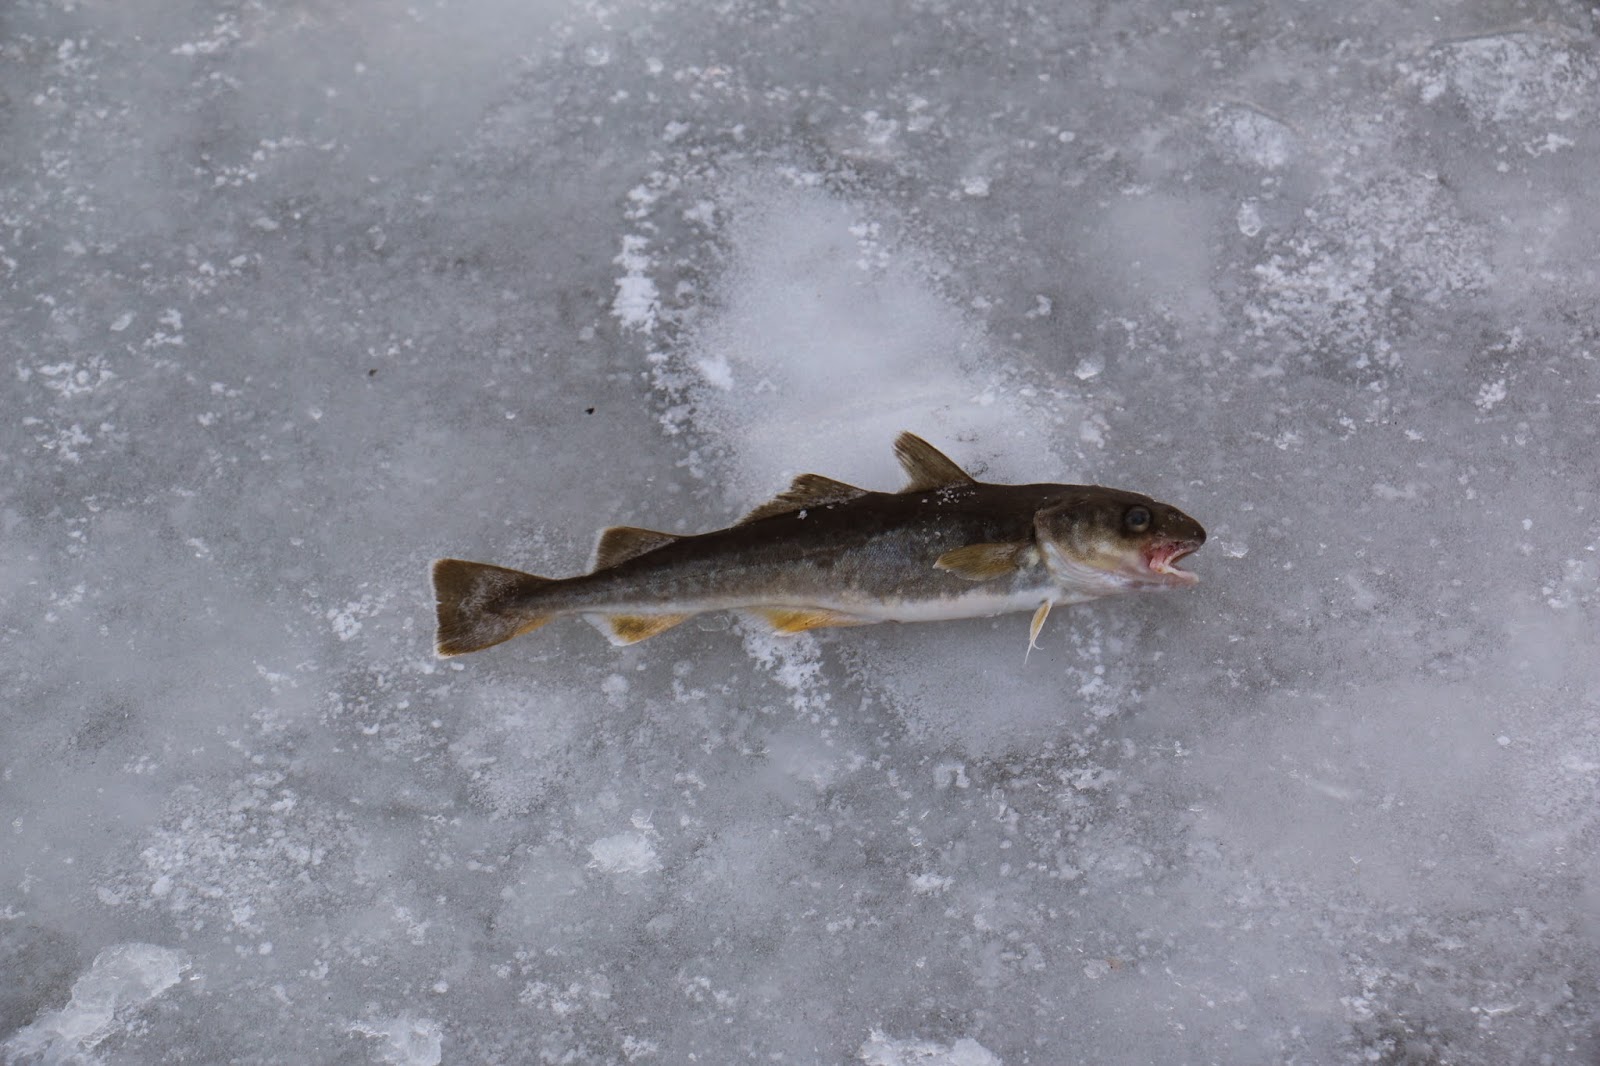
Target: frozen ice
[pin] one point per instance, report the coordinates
(881, 1050)
(404, 1041)
(625, 853)
(122, 979)
(296, 298)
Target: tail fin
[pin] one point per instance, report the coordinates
(477, 605)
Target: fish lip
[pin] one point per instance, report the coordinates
(1162, 556)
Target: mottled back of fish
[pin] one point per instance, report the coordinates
(825, 553)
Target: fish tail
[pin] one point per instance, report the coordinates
(479, 605)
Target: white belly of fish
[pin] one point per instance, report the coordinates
(978, 603)
(626, 623)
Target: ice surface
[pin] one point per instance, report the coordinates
(295, 298)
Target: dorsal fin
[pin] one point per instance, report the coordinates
(621, 543)
(927, 466)
(807, 490)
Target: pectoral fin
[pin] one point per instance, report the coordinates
(623, 629)
(984, 562)
(1033, 628)
(799, 619)
(926, 466)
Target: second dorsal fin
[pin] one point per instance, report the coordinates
(807, 490)
(926, 466)
(621, 543)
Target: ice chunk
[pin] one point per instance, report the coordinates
(624, 853)
(121, 980)
(883, 1050)
(1250, 135)
(406, 1040)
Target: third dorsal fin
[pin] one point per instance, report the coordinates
(808, 490)
(927, 466)
(621, 543)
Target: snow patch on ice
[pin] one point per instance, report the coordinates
(794, 661)
(518, 746)
(1491, 394)
(624, 853)
(831, 336)
(1346, 279)
(1510, 79)
(637, 299)
(239, 862)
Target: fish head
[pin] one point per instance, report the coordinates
(1099, 542)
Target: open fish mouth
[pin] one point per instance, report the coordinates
(1162, 559)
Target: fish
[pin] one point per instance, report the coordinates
(824, 553)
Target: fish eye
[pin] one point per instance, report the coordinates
(1136, 519)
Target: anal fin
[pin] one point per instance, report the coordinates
(623, 629)
(789, 620)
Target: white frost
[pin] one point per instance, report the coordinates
(637, 299)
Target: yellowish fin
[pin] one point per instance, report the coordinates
(790, 620)
(983, 562)
(475, 605)
(1034, 627)
(623, 629)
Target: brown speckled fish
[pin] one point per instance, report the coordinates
(829, 554)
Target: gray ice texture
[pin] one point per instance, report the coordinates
(295, 297)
